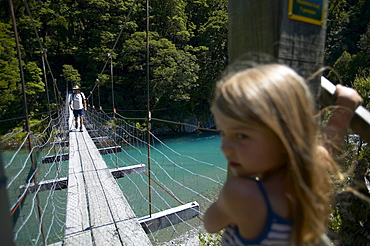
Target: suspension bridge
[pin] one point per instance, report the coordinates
(95, 207)
(96, 210)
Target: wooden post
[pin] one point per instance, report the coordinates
(291, 31)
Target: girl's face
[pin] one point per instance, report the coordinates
(250, 149)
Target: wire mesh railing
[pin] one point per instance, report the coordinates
(178, 177)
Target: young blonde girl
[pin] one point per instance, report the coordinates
(280, 190)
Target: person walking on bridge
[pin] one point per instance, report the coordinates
(77, 103)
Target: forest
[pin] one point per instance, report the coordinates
(100, 45)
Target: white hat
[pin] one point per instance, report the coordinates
(75, 87)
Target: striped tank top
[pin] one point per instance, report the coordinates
(277, 230)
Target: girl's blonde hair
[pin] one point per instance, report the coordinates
(276, 97)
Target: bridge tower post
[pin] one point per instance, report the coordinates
(291, 31)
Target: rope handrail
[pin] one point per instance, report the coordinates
(186, 124)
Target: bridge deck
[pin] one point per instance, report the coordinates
(97, 211)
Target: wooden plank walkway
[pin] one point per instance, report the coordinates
(97, 211)
(62, 183)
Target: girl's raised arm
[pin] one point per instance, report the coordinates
(347, 101)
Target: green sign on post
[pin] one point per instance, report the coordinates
(310, 11)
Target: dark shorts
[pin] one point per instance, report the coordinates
(78, 112)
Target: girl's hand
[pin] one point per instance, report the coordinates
(348, 100)
(347, 97)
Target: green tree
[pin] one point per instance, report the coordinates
(34, 87)
(362, 85)
(170, 21)
(173, 71)
(71, 75)
(94, 27)
(344, 66)
(9, 74)
(348, 38)
(347, 21)
(209, 17)
(362, 61)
